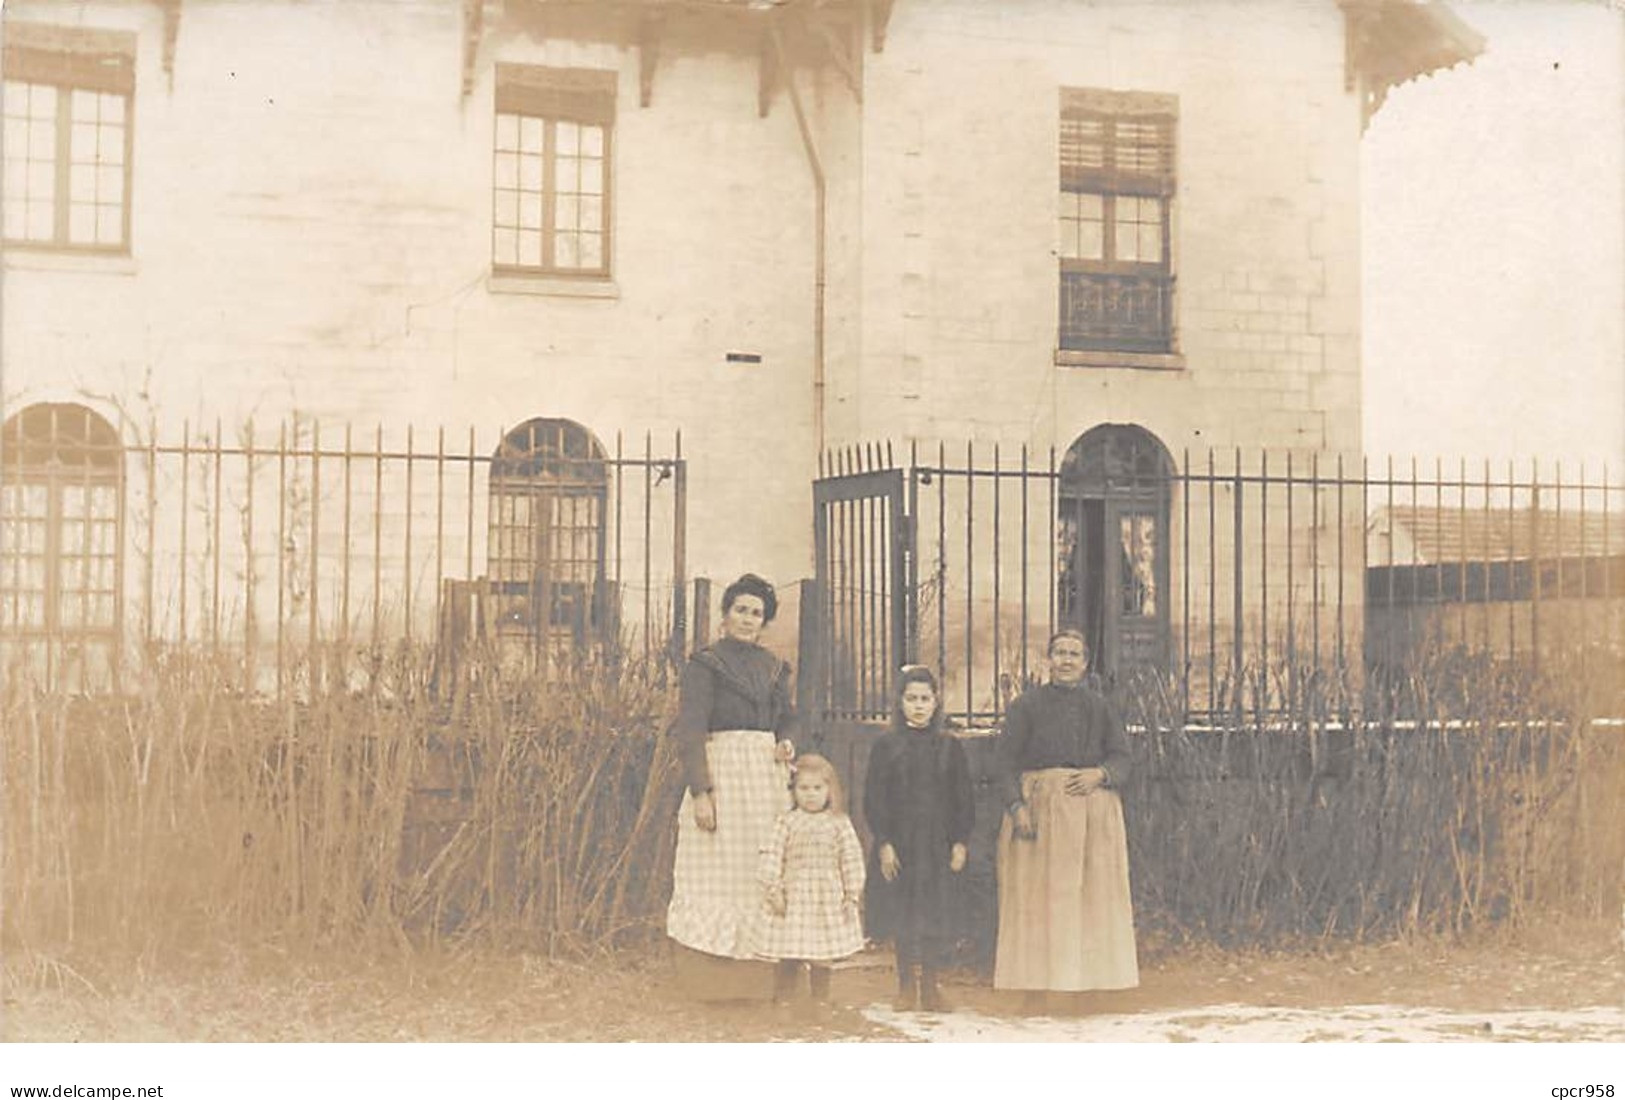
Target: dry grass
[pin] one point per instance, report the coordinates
(535, 818)
(143, 826)
(1464, 793)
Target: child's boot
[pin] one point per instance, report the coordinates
(931, 998)
(820, 985)
(908, 992)
(785, 975)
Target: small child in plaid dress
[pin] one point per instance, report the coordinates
(812, 879)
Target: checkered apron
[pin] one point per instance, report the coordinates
(1066, 921)
(716, 897)
(817, 860)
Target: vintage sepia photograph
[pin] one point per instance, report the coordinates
(835, 521)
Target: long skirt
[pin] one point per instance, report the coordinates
(1066, 921)
(716, 897)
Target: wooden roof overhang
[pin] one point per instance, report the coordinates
(829, 32)
(1389, 42)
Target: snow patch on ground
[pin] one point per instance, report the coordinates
(1237, 1023)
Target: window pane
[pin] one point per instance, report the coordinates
(1091, 241)
(15, 95)
(566, 174)
(592, 250)
(41, 101)
(41, 181)
(507, 170)
(530, 173)
(505, 246)
(592, 177)
(1151, 241)
(568, 139)
(112, 108)
(530, 213)
(83, 147)
(81, 184)
(530, 249)
(506, 211)
(41, 222)
(530, 135)
(1091, 206)
(507, 136)
(41, 142)
(110, 184)
(592, 141)
(566, 212)
(16, 219)
(82, 224)
(110, 148)
(109, 224)
(16, 138)
(592, 212)
(565, 252)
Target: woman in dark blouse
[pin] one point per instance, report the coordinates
(733, 725)
(1065, 918)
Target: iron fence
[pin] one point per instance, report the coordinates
(1267, 584)
(296, 555)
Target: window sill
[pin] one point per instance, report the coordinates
(551, 287)
(18, 258)
(1126, 360)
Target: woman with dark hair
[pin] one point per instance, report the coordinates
(918, 804)
(733, 727)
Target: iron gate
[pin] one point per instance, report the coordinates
(863, 584)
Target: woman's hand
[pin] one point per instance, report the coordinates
(785, 751)
(889, 863)
(1086, 781)
(956, 858)
(705, 811)
(776, 900)
(1021, 821)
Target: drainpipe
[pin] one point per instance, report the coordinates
(817, 169)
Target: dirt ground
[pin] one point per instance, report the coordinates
(1557, 986)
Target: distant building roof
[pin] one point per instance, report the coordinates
(1425, 535)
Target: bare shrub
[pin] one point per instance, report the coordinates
(190, 814)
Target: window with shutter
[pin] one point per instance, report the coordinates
(1117, 174)
(550, 179)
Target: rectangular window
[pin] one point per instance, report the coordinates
(550, 172)
(67, 149)
(1116, 210)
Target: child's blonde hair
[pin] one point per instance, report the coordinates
(818, 765)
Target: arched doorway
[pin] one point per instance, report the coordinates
(61, 551)
(549, 484)
(1112, 531)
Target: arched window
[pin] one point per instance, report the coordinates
(61, 546)
(1112, 572)
(549, 484)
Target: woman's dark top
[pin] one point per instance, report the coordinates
(730, 685)
(917, 797)
(1061, 726)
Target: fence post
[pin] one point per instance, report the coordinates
(810, 693)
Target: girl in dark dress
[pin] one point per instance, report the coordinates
(918, 804)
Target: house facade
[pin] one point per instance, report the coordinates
(560, 233)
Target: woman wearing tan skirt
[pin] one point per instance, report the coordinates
(1066, 922)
